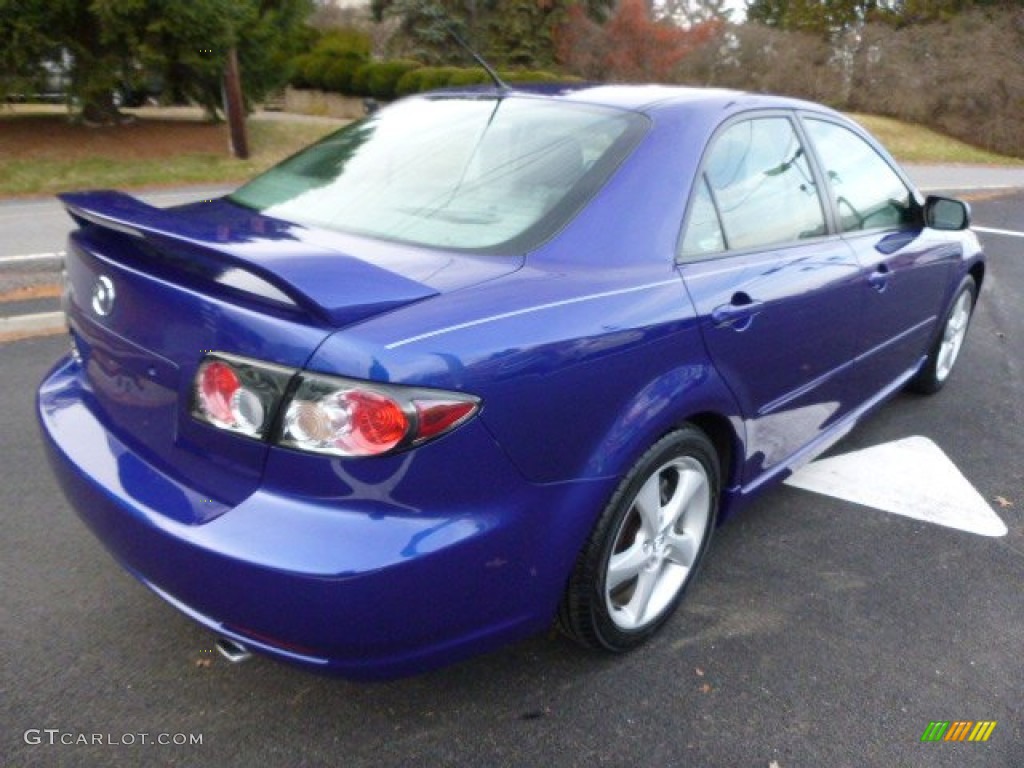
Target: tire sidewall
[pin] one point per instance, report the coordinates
(927, 381)
(684, 442)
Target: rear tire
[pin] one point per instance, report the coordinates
(646, 546)
(944, 353)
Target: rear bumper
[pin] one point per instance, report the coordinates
(384, 579)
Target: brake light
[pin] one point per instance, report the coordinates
(322, 414)
(238, 395)
(218, 384)
(346, 417)
(347, 422)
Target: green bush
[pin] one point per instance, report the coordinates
(314, 71)
(409, 83)
(297, 69)
(338, 77)
(361, 80)
(437, 77)
(322, 67)
(469, 77)
(529, 76)
(348, 71)
(383, 77)
(343, 41)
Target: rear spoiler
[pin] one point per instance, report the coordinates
(257, 255)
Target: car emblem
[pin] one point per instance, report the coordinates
(103, 296)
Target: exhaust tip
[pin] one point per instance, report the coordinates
(234, 652)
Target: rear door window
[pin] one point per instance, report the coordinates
(756, 190)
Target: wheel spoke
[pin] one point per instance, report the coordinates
(626, 565)
(637, 606)
(648, 505)
(657, 543)
(695, 507)
(675, 507)
(956, 325)
(942, 368)
(681, 548)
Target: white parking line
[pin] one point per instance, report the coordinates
(1004, 232)
(31, 257)
(911, 477)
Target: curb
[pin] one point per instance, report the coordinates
(32, 325)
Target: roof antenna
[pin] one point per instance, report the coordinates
(500, 84)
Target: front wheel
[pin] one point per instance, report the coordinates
(944, 353)
(646, 546)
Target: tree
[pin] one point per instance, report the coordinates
(831, 18)
(631, 46)
(827, 18)
(517, 33)
(689, 12)
(116, 43)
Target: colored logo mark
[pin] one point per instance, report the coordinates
(958, 730)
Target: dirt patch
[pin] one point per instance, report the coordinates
(53, 136)
(27, 292)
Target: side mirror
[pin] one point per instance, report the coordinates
(946, 213)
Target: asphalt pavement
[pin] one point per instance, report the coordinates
(820, 633)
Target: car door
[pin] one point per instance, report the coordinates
(905, 269)
(776, 294)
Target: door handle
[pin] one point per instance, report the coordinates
(738, 314)
(879, 279)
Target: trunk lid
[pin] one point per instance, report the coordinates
(150, 291)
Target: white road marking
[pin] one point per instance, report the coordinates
(31, 257)
(910, 477)
(1005, 232)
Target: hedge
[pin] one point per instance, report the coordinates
(361, 81)
(348, 72)
(338, 75)
(383, 77)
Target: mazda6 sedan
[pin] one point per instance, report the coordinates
(489, 360)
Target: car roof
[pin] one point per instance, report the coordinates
(648, 99)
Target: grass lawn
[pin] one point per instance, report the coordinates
(41, 153)
(916, 144)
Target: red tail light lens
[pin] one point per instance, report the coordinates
(237, 394)
(435, 417)
(348, 422)
(378, 423)
(322, 414)
(345, 417)
(218, 384)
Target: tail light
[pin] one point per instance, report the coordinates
(237, 394)
(322, 414)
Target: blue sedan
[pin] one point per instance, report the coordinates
(489, 360)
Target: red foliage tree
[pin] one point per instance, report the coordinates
(630, 47)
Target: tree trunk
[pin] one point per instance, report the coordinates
(98, 108)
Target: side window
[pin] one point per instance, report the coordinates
(757, 190)
(867, 192)
(704, 230)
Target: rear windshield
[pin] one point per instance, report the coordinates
(481, 174)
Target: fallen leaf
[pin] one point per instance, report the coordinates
(204, 663)
(699, 671)
(706, 688)
(1003, 502)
